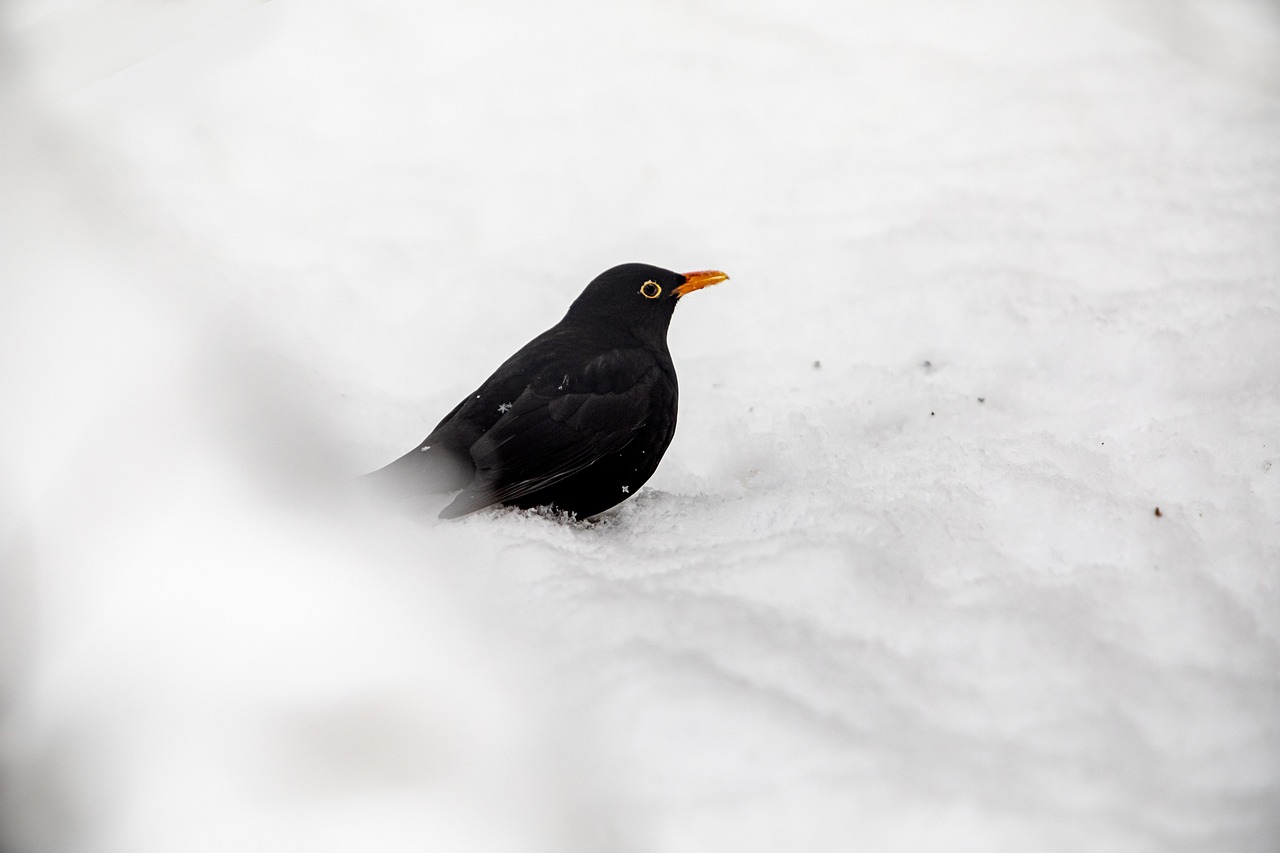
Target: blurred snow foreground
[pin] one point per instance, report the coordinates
(1006, 278)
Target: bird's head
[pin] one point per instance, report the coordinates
(639, 297)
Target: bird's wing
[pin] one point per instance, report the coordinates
(558, 426)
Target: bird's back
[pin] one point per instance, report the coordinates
(578, 418)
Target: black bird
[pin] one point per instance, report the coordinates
(577, 420)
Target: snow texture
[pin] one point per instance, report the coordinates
(969, 539)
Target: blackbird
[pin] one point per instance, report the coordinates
(577, 420)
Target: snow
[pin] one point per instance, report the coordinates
(1005, 280)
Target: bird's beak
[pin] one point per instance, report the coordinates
(698, 280)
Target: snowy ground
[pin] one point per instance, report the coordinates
(1006, 278)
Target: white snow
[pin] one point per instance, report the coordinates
(1005, 279)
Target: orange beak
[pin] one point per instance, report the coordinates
(698, 280)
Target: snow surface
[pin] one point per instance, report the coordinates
(1006, 278)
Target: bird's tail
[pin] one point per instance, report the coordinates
(423, 470)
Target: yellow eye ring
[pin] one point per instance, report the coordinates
(650, 290)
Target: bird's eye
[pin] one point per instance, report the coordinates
(650, 290)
